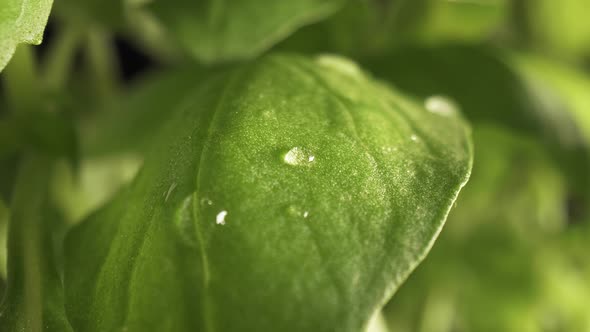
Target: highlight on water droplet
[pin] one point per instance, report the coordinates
(170, 189)
(220, 218)
(206, 201)
(299, 156)
(440, 105)
(339, 63)
(414, 137)
(296, 211)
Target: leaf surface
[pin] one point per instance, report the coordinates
(289, 195)
(21, 21)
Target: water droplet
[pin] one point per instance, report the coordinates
(388, 149)
(340, 64)
(440, 105)
(299, 156)
(220, 218)
(414, 137)
(170, 189)
(206, 201)
(296, 211)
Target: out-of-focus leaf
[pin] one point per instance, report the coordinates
(96, 181)
(288, 195)
(370, 27)
(568, 81)
(34, 297)
(4, 214)
(43, 132)
(21, 21)
(217, 31)
(559, 27)
(129, 126)
(108, 13)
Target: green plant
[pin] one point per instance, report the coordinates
(287, 165)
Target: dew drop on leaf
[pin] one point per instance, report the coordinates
(440, 105)
(220, 218)
(206, 201)
(341, 64)
(297, 212)
(299, 156)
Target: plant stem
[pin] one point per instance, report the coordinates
(25, 268)
(102, 63)
(20, 80)
(60, 57)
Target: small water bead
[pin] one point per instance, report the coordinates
(414, 138)
(340, 64)
(220, 218)
(389, 149)
(440, 105)
(296, 211)
(299, 156)
(206, 201)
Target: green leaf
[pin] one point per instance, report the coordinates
(495, 266)
(568, 81)
(129, 125)
(51, 134)
(288, 195)
(559, 28)
(21, 21)
(108, 13)
(374, 27)
(216, 31)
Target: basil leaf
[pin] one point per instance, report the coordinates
(216, 31)
(21, 22)
(287, 195)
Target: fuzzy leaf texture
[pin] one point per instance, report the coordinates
(288, 195)
(21, 21)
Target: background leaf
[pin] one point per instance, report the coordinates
(374, 27)
(271, 204)
(217, 31)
